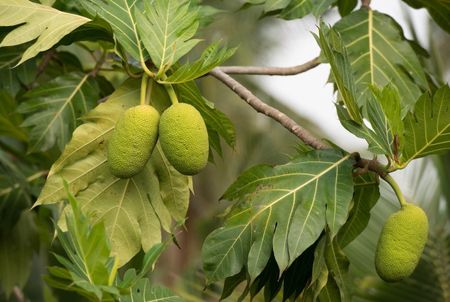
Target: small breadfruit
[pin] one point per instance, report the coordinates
(401, 243)
(133, 140)
(184, 138)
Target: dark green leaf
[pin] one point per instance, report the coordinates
(438, 9)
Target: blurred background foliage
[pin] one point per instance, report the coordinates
(24, 247)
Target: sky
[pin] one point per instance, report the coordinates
(308, 93)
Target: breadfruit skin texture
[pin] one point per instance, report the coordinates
(133, 140)
(401, 243)
(184, 138)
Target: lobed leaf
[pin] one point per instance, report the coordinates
(379, 54)
(166, 28)
(427, 129)
(300, 198)
(37, 22)
(54, 109)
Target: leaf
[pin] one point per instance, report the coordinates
(297, 9)
(211, 57)
(336, 54)
(166, 28)
(330, 292)
(16, 251)
(300, 198)
(88, 259)
(35, 21)
(214, 119)
(119, 15)
(338, 265)
(345, 7)
(379, 55)
(144, 292)
(9, 119)
(55, 107)
(427, 130)
(438, 9)
(365, 197)
(134, 210)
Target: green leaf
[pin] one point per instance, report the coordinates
(376, 144)
(345, 7)
(338, 265)
(211, 57)
(88, 261)
(365, 197)
(300, 198)
(271, 5)
(16, 251)
(336, 54)
(214, 119)
(55, 108)
(134, 210)
(9, 119)
(330, 292)
(427, 129)
(35, 21)
(144, 292)
(119, 15)
(166, 28)
(438, 9)
(297, 9)
(379, 55)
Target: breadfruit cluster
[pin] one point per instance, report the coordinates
(401, 243)
(182, 133)
(184, 138)
(133, 141)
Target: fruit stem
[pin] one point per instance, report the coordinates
(172, 94)
(144, 88)
(388, 178)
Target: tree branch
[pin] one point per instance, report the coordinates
(271, 112)
(282, 71)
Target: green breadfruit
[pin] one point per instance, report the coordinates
(401, 243)
(184, 138)
(133, 140)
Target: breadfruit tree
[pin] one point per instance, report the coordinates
(103, 127)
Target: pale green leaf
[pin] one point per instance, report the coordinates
(338, 265)
(134, 210)
(166, 28)
(36, 21)
(55, 107)
(271, 5)
(380, 125)
(379, 55)
(300, 198)
(211, 57)
(427, 129)
(119, 14)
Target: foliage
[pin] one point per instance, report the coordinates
(300, 229)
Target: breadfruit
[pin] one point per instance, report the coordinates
(401, 243)
(133, 140)
(184, 138)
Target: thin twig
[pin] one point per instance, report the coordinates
(281, 71)
(271, 112)
(18, 294)
(98, 65)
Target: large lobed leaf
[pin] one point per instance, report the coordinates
(379, 54)
(134, 210)
(37, 22)
(119, 15)
(282, 209)
(166, 28)
(427, 129)
(55, 107)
